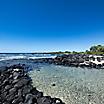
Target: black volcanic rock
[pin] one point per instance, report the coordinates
(16, 88)
(75, 60)
(53, 84)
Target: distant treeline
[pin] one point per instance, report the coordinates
(97, 49)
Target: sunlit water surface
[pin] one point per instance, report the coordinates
(72, 85)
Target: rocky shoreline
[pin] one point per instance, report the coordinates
(79, 60)
(16, 88)
(72, 60)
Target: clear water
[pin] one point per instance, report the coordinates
(72, 85)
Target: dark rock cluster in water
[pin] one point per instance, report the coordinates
(69, 60)
(16, 88)
(76, 60)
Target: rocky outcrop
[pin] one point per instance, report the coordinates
(75, 60)
(69, 60)
(16, 88)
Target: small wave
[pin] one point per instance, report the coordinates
(11, 57)
(41, 57)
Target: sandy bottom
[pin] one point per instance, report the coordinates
(72, 85)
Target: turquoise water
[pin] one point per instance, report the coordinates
(72, 85)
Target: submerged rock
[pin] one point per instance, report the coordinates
(16, 88)
(53, 84)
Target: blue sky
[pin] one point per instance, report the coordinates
(50, 25)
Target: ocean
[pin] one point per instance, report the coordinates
(11, 56)
(73, 85)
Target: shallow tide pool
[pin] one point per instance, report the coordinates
(72, 85)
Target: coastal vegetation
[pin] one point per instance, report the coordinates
(96, 49)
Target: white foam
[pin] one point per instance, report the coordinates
(41, 57)
(12, 57)
(25, 57)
